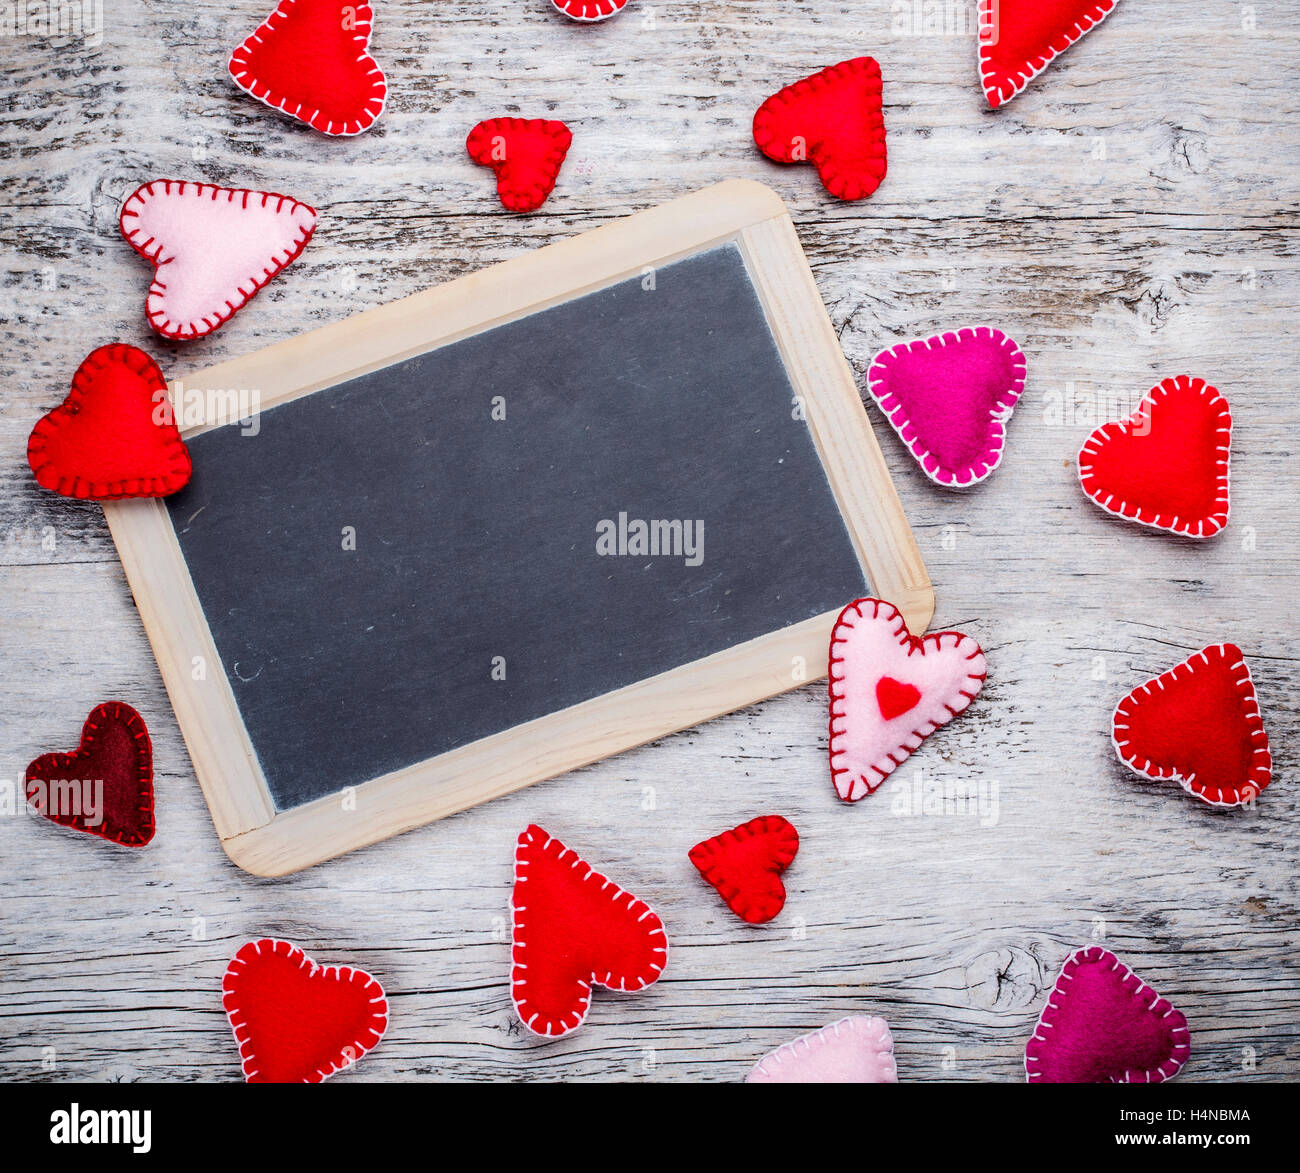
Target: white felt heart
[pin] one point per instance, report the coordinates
(212, 248)
(853, 1050)
(890, 690)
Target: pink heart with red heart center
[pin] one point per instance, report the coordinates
(889, 690)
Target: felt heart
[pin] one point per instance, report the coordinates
(113, 436)
(105, 786)
(870, 642)
(212, 248)
(745, 866)
(1199, 724)
(1018, 39)
(1166, 465)
(949, 397)
(589, 10)
(311, 59)
(833, 120)
(895, 698)
(573, 929)
(296, 1021)
(1102, 1024)
(853, 1050)
(526, 155)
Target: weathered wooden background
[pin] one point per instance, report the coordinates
(1132, 215)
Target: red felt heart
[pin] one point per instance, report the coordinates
(573, 929)
(1166, 465)
(745, 866)
(296, 1021)
(526, 155)
(311, 59)
(589, 10)
(113, 436)
(1103, 1024)
(1019, 38)
(1198, 724)
(105, 786)
(895, 698)
(833, 120)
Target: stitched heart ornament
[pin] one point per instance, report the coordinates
(590, 10)
(113, 436)
(854, 1050)
(296, 1021)
(526, 155)
(949, 398)
(1103, 1024)
(105, 786)
(1018, 39)
(1166, 465)
(212, 249)
(1198, 724)
(745, 866)
(311, 59)
(833, 120)
(889, 690)
(573, 929)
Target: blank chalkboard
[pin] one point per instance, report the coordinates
(490, 531)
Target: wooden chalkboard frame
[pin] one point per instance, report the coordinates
(270, 843)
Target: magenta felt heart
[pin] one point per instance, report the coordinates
(1103, 1024)
(948, 397)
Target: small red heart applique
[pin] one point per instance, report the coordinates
(525, 153)
(1018, 39)
(1103, 1024)
(889, 690)
(834, 120)
(745, 866)
(1198, 724)
(297, 1021)
(590, 10)
(105, 786)
(574, 929)
(113, 436)
(1166, 465)
(212, 248)
(311, 59)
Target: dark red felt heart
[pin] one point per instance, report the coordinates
(296, 1021)
(573, 929)
(525, 153)
(105, 786)
(1198, 724)
(1020, 38)
(745, 866)
(1166, 465)
(311, 59)
(113, 436)
(895, 698)
(833, 120)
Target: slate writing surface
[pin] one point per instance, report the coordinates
(476, 538)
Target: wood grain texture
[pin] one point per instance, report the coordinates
(1131, 215)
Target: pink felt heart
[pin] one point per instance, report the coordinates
(853, 1050)
(871, 731)
(1102, 1024)
(949, 397)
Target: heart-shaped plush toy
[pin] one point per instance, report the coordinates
(574, 929)
(1198, 724)
(745, 866)
(833, 120)
(296, 1021)
(212, 248)
(589, 10)
(1166, 465)
(1018, 39)
(853, 1050)
(113, 436)
(1102, 1024)
(525, 153)
(890, 690)
(949, 398)
(105, 786)
(311, 59)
